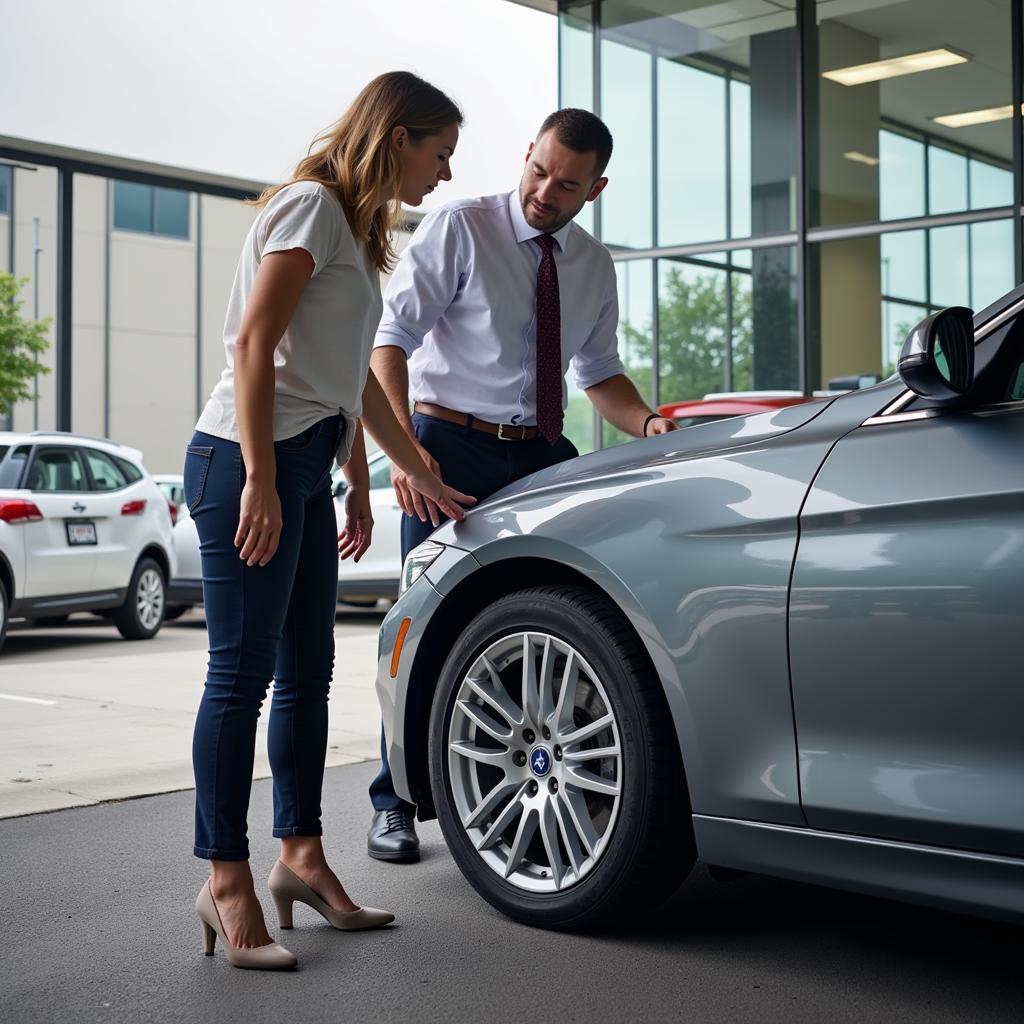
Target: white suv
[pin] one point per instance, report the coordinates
(83, 527)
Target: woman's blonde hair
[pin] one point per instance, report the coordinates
(355, 156)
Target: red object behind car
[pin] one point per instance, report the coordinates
(720, 407)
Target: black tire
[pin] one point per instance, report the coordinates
(4, 605)
(651, 848)
(176, 611)
(129, 618)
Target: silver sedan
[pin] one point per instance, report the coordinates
(784, 643)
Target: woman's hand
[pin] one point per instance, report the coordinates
(442, 498)
(412, 501)
(354, 539)
(259, 523)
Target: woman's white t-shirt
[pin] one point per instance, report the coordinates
(321, 362)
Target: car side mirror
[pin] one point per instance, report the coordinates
(937, 359)
(339, 488)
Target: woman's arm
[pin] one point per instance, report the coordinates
(354, 539)
(280, 281)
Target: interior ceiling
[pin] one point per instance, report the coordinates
(980, 28)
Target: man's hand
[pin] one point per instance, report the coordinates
(412, 501)
(660, 425)
(354, 539)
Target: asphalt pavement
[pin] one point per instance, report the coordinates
(97, 924)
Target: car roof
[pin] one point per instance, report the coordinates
(13, 437)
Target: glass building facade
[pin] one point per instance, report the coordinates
(795, 182)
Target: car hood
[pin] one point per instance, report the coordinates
(652, 452)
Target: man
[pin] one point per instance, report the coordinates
(490, 302)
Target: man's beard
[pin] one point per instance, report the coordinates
(555, 225)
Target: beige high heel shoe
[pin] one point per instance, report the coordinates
(286, 888)
(271, 957)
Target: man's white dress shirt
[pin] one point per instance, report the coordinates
(462, 302)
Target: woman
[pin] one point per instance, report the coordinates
(299, 330)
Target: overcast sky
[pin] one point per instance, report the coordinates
(240, 87)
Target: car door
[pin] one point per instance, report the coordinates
(117, 507)
(60, 548)
(907, 610)
(383, 560)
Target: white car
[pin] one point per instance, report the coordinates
(376, 575)
(83, 527)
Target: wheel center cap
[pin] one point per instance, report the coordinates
(540, 761)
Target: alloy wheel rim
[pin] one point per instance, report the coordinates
(535, 762)
(149, 599)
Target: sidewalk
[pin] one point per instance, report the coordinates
(86, 717)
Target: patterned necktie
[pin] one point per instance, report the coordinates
(549, 345)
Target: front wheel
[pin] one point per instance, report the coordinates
(142, 613)
(554, 765)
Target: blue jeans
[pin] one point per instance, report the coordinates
(271, 622)
(478, 464)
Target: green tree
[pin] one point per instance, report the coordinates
(693, 329)
(22, 342)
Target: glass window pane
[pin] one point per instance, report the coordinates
(133, 206)
(691, 193)
(901, 176)
(947, 181)
(5, 174)
(131, 474)
(990, 185)
(380, 473)
(576, 74)
(106, 476)
(869, 104)
(627, 203)
(898, 319)
(11, 470)
(903, 265)
(636, 332)
(56, 469)
(991, 261)
(950, 278)
(693, 330)
(171, 212)
(726, 101)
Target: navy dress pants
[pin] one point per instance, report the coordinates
(271, 622)
(478, 464)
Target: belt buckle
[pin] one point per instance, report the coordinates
(511, 426)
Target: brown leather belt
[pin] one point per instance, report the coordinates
(503, 431)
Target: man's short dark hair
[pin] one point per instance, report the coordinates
(582, 132)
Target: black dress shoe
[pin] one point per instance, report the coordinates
(392, 836)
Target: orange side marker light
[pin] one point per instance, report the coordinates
(396, 655)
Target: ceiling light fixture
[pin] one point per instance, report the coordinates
(862, 158)
(893, 67)
(969, 117)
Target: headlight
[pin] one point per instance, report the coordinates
(418, 561)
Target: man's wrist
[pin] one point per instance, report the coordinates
(647, 422)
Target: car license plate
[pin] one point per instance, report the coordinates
(80, 531)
